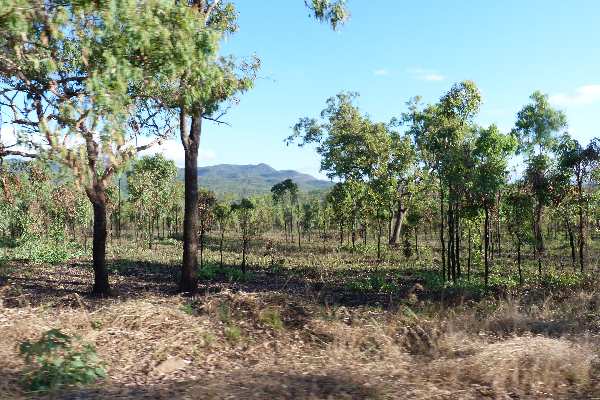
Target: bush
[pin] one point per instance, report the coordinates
(272, 318)
(45, 252)
(57, 360)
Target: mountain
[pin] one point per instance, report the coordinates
(248, 180)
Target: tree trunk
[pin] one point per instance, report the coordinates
(221, 248)
(417, 242)
(202, 248)
(571, 242)
(451, 259)
(581, 226)
(519, 262)
(486, 246)
(101, 286)
(188, 281)
(398, 221)
(469, 244)
(379, 233)
(442, 241)
(244, 245)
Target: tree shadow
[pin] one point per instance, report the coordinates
(235, 385)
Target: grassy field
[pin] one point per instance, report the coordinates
(312, 323)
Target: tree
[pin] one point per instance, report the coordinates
(206, 217)
(79, 79)
(536, 128)
(442, 132)
(580, 162)
(285, 194)
(222, 214)
(352, 148)
(517, 207)
(198, 93)
(244, 211)
(490, 159)
(151, 182)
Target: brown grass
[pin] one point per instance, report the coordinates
(177, 348)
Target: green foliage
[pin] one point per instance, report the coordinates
(233, 333)
(272, 318)
(56, 360)
(537, 123)
(375, 282)
(558, 280)
(45, 251)
(188, 309)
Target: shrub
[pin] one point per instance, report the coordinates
(233, 333)
(57, 360)
(44, 251)
(272, 318)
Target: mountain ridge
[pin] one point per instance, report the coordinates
(252, 179)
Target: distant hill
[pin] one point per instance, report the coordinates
(248, 180)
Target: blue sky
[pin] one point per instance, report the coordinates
(392, 50)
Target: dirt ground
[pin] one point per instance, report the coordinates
(274, 337)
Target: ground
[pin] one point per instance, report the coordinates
(310, 323)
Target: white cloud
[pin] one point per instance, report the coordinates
(428, 75)
(381, 72)
(583, 95)
(173, 150)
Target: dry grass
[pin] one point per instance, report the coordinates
(170, 347)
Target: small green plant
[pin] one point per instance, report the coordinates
(233, 333)
(58, 360)
(42, 251)
(207, 339)
(272, 318)
(187, 308)
(208, 272)
(95, 324)
(236, 275)
(224, 312)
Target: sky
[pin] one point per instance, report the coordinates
(390, 51)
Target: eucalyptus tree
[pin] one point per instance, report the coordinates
(201, 91)
(339, 202)
(581, 162)
(490, 156)
(442, 133)
(80, 80)
(352, 148)
(285, 195)
(536, 129)
(223, 217)
(206, 217)
(517, 206)
(243, 211)
(151, 181)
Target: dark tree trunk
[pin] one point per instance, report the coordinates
(101, 286)
(581, 239)
(417, 242)
(221, 248)
(188, 281)
(244, 246)
(519, 262)
(469, 244)
(451, 254)
(442, 241)
(379, 233)
(486, 246)
(571, 242)
(457, 241)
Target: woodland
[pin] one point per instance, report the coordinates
(446, 260)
